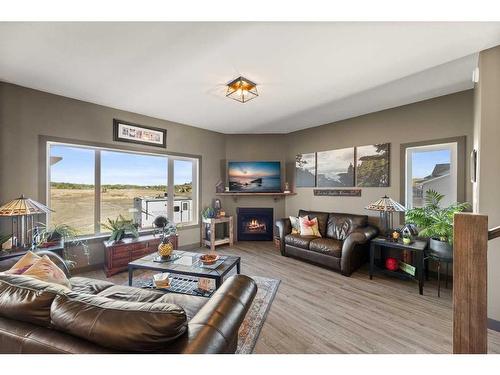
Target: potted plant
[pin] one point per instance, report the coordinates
(121, 227)
(49, 236)
(436, 222)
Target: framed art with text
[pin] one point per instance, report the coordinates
(133, 133)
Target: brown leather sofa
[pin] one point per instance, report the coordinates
(343, 245)
(100, 317)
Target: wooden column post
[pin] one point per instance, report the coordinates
(470, 247)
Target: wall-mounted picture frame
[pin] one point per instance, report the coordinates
(335, 168)
(373, 165)
(124, 131)
(305, 170)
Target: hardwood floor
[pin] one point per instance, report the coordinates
(320, 311)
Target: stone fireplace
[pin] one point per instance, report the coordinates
(255, 224)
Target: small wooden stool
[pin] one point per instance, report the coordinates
(211, 223)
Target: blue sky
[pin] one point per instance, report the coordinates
(77, 166)
(423, 162)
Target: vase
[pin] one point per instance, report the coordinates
(165, 249)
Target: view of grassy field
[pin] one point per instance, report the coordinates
(74, 205)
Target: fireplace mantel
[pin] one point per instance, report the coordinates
(236, 195)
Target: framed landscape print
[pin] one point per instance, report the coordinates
(335, 168)
(133, 133)
(305, 170)
(372, 165)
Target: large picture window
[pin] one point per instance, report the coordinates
(88, 185)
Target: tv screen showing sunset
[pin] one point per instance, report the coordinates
(254, 176)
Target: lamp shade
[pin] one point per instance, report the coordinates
(23, 206)
(386, 204)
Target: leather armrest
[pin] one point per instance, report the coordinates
(214, 328)
(357, 237)
(284, 227)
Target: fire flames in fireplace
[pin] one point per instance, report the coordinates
(255, 226)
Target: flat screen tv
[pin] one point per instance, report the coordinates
(254, 176)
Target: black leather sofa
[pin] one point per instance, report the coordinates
(343, 245)
(97, 316)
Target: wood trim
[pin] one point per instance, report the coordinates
(470, 248)
(494, 233)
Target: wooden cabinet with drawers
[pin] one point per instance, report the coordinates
(119, 254)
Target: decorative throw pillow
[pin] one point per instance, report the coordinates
(294, 220)
(309, 227)
(23, 264)
(46, 270)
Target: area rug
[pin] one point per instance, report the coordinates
(256, 315)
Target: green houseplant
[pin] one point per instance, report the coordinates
(56, 233)
(436, 222)
(48, 236)
(120, 227)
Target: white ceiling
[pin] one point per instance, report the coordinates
(308, 74)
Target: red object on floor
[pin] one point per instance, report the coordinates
(391, 264)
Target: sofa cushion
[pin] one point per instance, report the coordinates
(299, 241)
(295, 223)
(122, 325)
(24, 263)
(46, 270)
(27, 299)
(322, 219)
(340, 225)
(309, 227)
(190, 304)
(89, 286)
(328, 246)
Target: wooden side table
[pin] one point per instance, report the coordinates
(417, 248)
(212, 242)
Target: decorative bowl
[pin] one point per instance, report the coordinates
(209, 259)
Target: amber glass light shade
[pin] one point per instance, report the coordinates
(242, 90)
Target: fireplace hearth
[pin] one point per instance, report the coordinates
(255, 224)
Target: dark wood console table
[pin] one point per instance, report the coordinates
(417, 247)
(119, 254)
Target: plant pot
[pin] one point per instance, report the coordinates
(54, 237)
(440, 249)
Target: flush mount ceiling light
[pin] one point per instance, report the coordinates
(242, 89)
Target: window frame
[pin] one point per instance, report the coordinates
(460, 164)
(46, 142)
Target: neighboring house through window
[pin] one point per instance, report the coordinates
(431, 167)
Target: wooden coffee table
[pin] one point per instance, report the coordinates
(187, 264)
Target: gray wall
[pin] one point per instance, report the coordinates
(26, 114)
(486, 141)
(443, 117)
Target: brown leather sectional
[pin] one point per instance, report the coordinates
(101, 317)
(343, 245)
